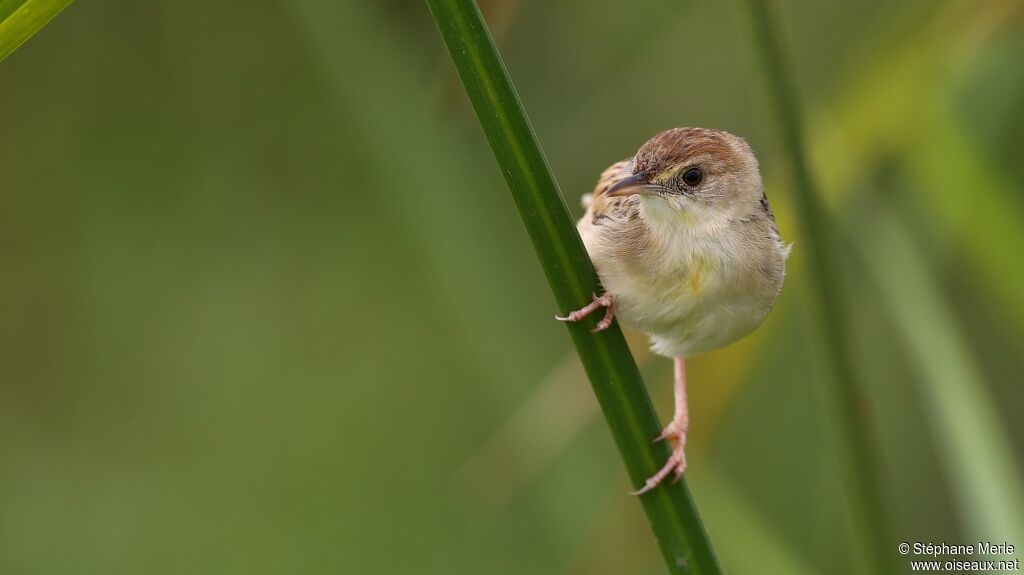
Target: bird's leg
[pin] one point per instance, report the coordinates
(604, 301)
(675, 432)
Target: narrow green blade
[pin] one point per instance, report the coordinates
(20, 19)
(606, 358)
(972, 442)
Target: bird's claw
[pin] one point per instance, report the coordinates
(676, 463)
(676, 432)
(604, 301)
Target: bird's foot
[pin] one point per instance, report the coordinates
(676, 433)
(604, 301)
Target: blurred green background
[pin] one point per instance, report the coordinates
(266, 305)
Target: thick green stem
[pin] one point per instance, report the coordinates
(605, 356)
(822, 249)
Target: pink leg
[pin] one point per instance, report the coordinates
(604, 301)
(675, 431)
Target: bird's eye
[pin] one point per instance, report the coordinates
(693, 177)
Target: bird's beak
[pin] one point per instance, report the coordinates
(635, 184)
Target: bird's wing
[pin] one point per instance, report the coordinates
(614, 173)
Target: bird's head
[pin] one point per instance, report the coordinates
(694, 173)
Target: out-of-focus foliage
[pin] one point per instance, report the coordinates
(266, 306)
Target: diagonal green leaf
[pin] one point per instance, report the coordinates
(965, 421)
(982, 222)
(901, 106)
(605, 356)
(20, 19)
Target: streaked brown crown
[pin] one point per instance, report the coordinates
(681, 145)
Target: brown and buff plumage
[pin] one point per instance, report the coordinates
(687, 250)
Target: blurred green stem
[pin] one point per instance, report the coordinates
(605, 356)
(20, 19)
(821, 247)
(970, 437)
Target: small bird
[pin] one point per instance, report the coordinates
(687, 251)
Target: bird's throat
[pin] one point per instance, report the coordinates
(669, 213)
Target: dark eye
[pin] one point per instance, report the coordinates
(693, 177)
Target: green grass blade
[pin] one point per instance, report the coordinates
(982, 223)
(821, 249)
(20, 19)
(605, 356)
(871, 123)
(970, 439)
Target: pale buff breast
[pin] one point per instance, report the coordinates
(691, 288)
